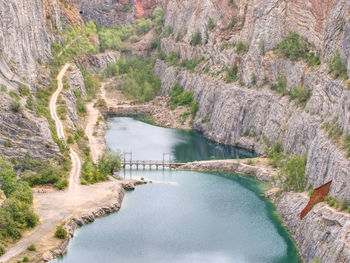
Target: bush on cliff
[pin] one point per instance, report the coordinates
(338, 67)
(179, 97)
(196, 38)
(297, 47)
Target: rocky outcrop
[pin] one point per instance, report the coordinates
(24, 131)
(23, 39)
(258, 168)
(323, 233)
(98, 62)
(75, 83)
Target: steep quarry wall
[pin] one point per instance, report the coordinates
(229, 111)
(111, 12)
(23, 38)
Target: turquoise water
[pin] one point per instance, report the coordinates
(183, 216)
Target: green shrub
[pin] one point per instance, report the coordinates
(25, 259)
(61, 184)
(196, 38)
(253, 77)
(297, 47)
(100, 103)
(173, 59)
(211, 24)
(281, 85)
(333, 129)
(241, 48)
(2, 250)
(14, 95)
(16, 107)
(338, 67)
(232, 23)
(23, 90)
(190, 64)
(3, 88)
(343, 204)
(179, 97)
(60, 232)
(31, 248)
(232, 74)
(262, 46)
(317, 260)
(295, 173)
(300, 94)
(109, 163)
(8, 144)
(168, 31)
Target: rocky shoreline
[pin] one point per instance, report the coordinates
(258, 167)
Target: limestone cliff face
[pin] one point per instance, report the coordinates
(230, 111)
(24, 42)
(23, 39)
(24, 132)
(113, 12)
(323, 233)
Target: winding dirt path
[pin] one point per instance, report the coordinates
(49, 219)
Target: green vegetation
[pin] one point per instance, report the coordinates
(92, 85)
(297, 47)
(196, 38)
(179, 97)
(300, 94)
(31, 248)
(121, 37)
(338, 67)
(241, 48)
(262, 46)
(341, 205)
(25, 259)
(232, 74)
(60, 232)
(136, 78)
(16, 214)
(16, 107)
(107, 164)
(38, 172)
(317, 260)
(124, 8)
(23, 90)
(333, 129)
(173, 59)
(211, 24)
(292, 167)
(281, 85)
(232, 23)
